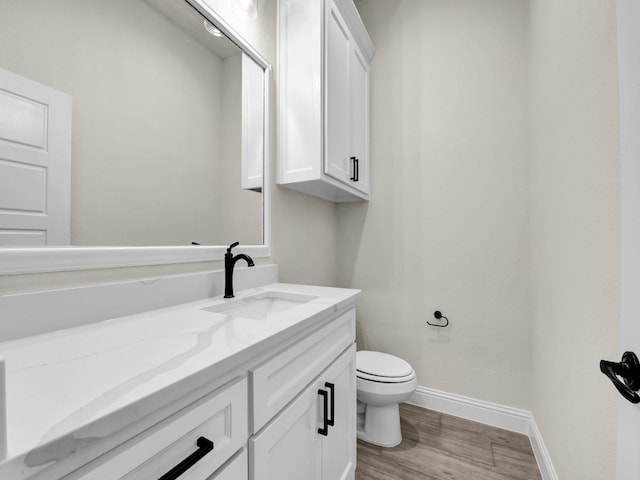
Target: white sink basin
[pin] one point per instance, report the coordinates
(262, 305)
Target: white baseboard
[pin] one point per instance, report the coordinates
(512, 419)
(542, 454)
(508, 418)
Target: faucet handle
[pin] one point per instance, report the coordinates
(234, 244)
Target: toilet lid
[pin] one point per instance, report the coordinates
(380, 364)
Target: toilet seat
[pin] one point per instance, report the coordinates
(382, 367)
(382, 379)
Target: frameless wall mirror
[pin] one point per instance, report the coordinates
(165, 113)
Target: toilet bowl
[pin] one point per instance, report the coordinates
(382, 382)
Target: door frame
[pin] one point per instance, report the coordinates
(628, 425)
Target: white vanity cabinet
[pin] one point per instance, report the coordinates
(291, 415)
(313, 436)
(324, 55)
(294, 412)
(258, 387)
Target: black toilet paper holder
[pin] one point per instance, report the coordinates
(438, 315)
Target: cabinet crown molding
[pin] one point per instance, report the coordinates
(358, 30)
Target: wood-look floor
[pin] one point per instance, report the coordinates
(436, 446)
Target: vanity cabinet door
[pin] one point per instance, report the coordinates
(314, 438)
(338, 448)
(288, 448)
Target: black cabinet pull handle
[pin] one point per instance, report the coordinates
(332, 390)
(325, 409)
(356, 169)
(629, 370)
(204, 446)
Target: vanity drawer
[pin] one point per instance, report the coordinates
(277, 381)
(220, 417)
(237, 469)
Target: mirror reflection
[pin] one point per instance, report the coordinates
(168, 120)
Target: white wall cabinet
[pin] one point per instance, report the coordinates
(324, 99)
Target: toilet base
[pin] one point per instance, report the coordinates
(381, 425)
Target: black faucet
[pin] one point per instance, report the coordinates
(230, 262)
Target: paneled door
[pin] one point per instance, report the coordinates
(35, 163)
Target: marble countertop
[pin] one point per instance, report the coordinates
(79, 385)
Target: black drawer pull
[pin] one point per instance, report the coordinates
(204, 446)
(332, 389)
(354, 177)
(325, 409)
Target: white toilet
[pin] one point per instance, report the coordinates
(382, 382)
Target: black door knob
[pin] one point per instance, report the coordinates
(629, 370)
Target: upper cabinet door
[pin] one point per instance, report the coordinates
(359, 69)
(347, 105)
(338, 122)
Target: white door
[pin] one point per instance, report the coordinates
(628, 461)
(35, 162)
